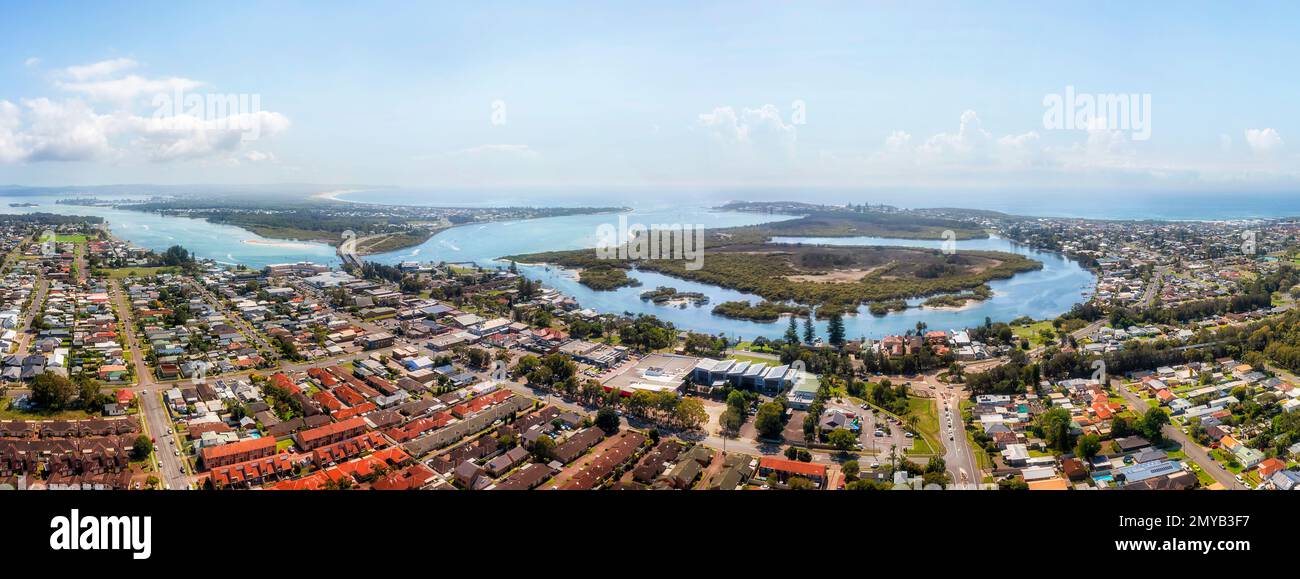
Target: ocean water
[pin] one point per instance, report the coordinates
(1159, 205)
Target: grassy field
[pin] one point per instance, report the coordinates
(7, 412)
(1031, 331)
(927, 421)
(753, 359)
(125, 272)
(920, 446)
(76, 238)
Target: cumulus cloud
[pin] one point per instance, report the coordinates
(898, 142)
(1263, 141)
(11, 150)
(968, 143)
(748, 125)
(971, 144)
(64, 131)
(110, 115)
(178, 137)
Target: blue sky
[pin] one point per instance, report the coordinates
(890, 95)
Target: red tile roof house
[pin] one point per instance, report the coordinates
(410, 478)
(784, 469)
(235, 452)
(1270, 466)
(341, 451)
(330, 433)
(283, 381)
(252, 472)
(353, 470)
(475, 405)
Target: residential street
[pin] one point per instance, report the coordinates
(1193, 450)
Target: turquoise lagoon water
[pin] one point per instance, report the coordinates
(1039, 294)
(223, 243)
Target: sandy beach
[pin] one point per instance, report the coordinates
(334, 195)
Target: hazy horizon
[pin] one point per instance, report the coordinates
(953, 98)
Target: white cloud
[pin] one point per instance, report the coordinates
(129, 88)
(109, 122)
(1263, 141)
(968, 143)
(898, 142)
(11, 151)
(170, 138)
(63, 131)
(99, 69)
(32, 62)
(260, 157)
(748, 125)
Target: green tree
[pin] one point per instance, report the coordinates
(770, 420)
(142, 446)
(52, 392)
(851, 470)
(842, 439)
(792, 332)
(88, 393)
(690, 413)
(607, 420)
(808, 332)
(798, 483)
(1055, 424)
(835, 330)
(544, 448)
(1087, 446)
(1152, 423)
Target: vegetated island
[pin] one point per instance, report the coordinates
(977, 294)
(833, 279)
(669, 296)
(377, 228)
(606, 277)
(764, 311)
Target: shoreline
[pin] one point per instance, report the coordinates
(334, 195)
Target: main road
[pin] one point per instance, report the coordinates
(960, 460)
(173, 470)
